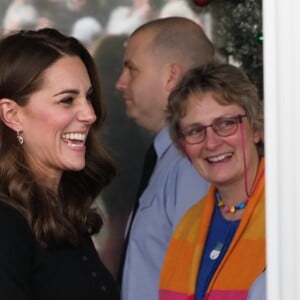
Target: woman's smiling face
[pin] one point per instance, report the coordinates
(219, 159)
(56, 121)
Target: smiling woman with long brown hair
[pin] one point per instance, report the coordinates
(51, 169)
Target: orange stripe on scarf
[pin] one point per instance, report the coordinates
(243, 262)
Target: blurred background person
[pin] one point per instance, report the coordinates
(19, 15)
(124, 19)
(87, 30)
(179, 8)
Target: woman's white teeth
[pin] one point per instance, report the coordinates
(74, 136)
(219, 158)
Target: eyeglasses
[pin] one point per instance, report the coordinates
(223, 126)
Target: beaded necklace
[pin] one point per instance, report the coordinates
(232, 209)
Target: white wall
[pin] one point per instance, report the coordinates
(282, 119)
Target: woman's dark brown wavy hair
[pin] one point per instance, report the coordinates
(54, 219)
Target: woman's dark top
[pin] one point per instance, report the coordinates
(28, 271)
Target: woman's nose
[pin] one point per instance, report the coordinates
(212, 139)
(86, 113)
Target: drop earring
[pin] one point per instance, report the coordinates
(20, 138)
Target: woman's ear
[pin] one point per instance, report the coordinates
(257, 137)
(9, 114)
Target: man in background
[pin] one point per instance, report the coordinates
(157, 54)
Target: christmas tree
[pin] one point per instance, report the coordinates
(237, 32)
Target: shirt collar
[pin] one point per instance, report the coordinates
(162, 141)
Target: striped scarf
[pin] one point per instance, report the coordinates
(243, 262)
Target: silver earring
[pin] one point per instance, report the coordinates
(20, 138)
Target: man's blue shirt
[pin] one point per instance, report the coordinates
(173, 188)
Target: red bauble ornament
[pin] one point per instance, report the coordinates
(201, 2)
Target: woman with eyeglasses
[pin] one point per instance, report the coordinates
(218, 248)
